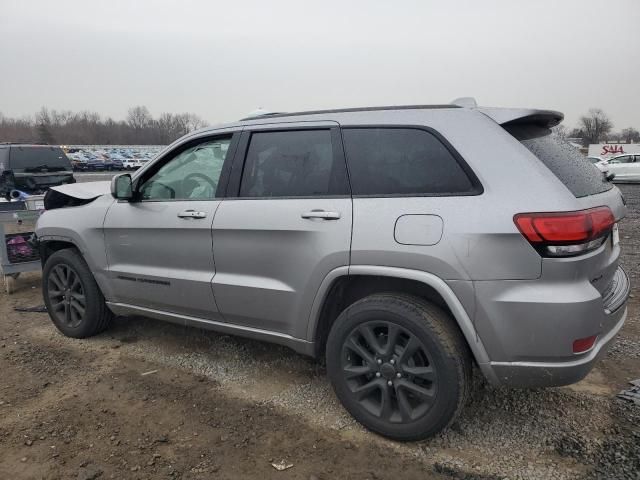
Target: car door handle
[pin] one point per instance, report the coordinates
(192, 214)
(321, 214)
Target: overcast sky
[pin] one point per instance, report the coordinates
(221, 60)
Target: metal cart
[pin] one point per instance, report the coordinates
(17, 224)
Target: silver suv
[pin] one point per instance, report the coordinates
(402, 244)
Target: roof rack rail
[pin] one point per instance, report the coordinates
(260, 112)
(349, 110)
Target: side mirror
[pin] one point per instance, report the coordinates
(609, 176)
(122, 187)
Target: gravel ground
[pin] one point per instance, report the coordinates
(581, 431)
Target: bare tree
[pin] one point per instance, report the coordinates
(139, 117)
(43, 120)
(86, 127)
(595, 126)
(630, 135)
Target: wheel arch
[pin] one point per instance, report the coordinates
(48, 246)
(345, 285)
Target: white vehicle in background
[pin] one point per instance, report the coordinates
(599, 162)
(625, 167)
(132, 163)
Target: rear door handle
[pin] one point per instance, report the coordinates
(192, 214)
(321, 214)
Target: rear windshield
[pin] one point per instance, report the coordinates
(580, 176)
(38, 159)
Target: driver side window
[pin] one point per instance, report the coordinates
(192, 174)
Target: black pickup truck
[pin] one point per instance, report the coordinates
(32, 169)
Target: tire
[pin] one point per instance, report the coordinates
(400, 394)
(67, 282)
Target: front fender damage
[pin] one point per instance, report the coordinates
(75, 194)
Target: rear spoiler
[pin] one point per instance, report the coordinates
(515, 116)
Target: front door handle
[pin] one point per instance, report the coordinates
(192, 214)
(321, 214)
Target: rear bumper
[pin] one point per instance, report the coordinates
(551, 374)
(545, 334)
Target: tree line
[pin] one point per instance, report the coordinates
(596, 127)
(90, 128)
(140, 128)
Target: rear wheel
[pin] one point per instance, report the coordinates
(74, 301)
(399, 365)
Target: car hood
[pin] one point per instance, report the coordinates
(85, 190)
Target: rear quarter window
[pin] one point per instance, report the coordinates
(404, 161)
(578, 174)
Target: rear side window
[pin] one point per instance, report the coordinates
(579, 175)
(35, 159)
(294, 163)
(403, 161)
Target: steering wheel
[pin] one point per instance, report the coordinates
(146, 190)
(202, 176)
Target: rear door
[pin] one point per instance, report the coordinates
(159, 245)
(285, 224)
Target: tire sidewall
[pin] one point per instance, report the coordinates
(449, 373)
(92, 295)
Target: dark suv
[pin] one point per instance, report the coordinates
(33, 168)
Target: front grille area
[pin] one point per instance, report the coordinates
(617, 292)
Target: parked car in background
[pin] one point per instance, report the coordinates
(625, 167)
(111, 163)
(34, 168)
(131, 164)
(89, 164)
(432, 254)
(599, 162)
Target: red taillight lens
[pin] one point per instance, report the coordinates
(565, 228)
(583, 344)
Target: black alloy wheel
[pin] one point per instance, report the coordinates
(66, 295)
(389, 371)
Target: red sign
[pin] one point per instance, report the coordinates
(610, 149)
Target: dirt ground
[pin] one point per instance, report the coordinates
(152, 400)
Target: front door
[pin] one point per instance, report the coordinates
(285, 224)
(159, 246)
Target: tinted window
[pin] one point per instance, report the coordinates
(192, 174)
(384, 161)
(565, 161)
(625, 159)
(291, 164)
(35, 158)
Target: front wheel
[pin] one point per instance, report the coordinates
(398, 365)
(74, 301)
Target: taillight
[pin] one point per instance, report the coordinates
(561, 234)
